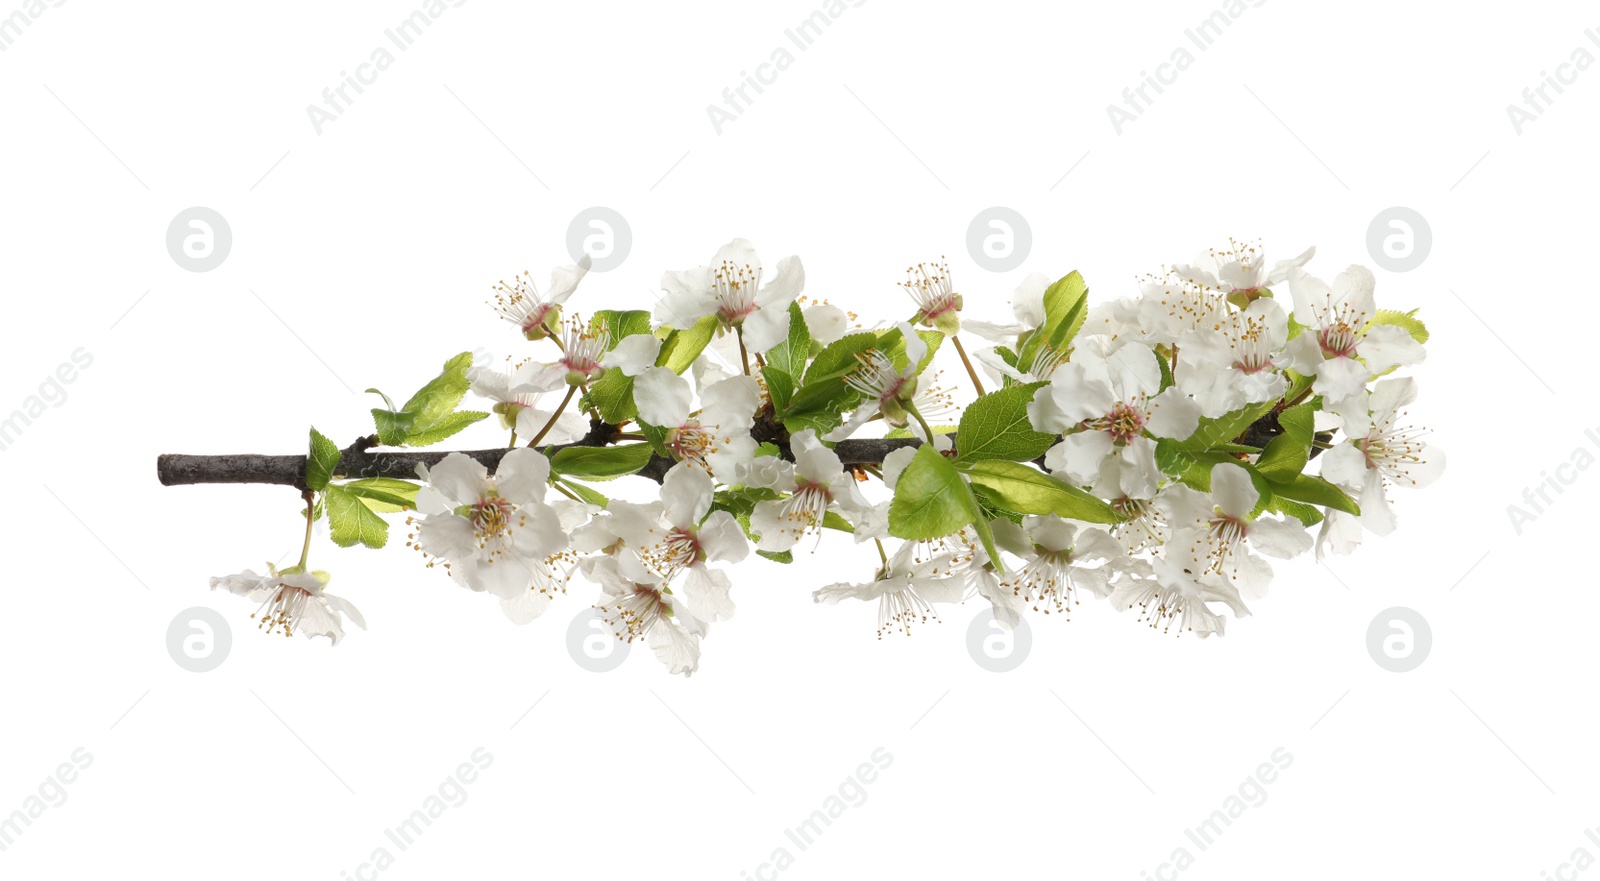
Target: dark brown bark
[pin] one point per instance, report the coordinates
(358, 461)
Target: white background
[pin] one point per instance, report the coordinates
(362, 256)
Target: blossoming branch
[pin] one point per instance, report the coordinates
(1150, 451)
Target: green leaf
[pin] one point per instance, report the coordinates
(321, 461)
(1306, 514)
(1405, 320)
(384, 495)
(1027, 490)
(790, 355)
(611, 396)
(839, 357)
(780, 386)
(930, 500)
(585, 493)
(1166, 373)
(996, 426)
(601, 463)
(1065, 306)
(684, 345)
(620, 324)
(1286, 455)
(980, 524)
(1223, 429)
(777, 556)
(1314, 491)
(428, 416)
(449, 425)
(351, 522)
(434, 401)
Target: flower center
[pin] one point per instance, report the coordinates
(1338, 340)
(491, 518)
(582, 351)
(678, 551)
(692, 442)
(876, 377)
(1124, 423)
(282, 610)
(631, 616)
(735, 289)
(929, 285)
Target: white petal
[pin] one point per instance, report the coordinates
(1284, 539)
(786, 284)
(1173, 414)
(826, 323)
(522, 475)
(722, 539)
(705, 591)
(1080, 455)
(662, 396)
(460, 478)
(766, 328)
(686, 495)
(525, 606)
(633, 354)
(1232, 489)
(674, 646)
(1387, 346)
(1344, 465)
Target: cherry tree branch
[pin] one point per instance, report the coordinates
(357, 460)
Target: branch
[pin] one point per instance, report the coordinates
(177, 469)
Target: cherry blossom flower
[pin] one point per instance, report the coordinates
(1168, 591)
(730, 288)
(635, 603)
(895, 393)
(1235, 363)
(718, 437)
(906, 587)
(489, 531)
(676, 537)
(1218, 530)
(817, 483)
(292, 601)
(539, 315)
(517, 398)
(1380, 453)
(1241, 267)
(1339, 346)
(1106, 406)
(938, 304)
(1054, 564)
